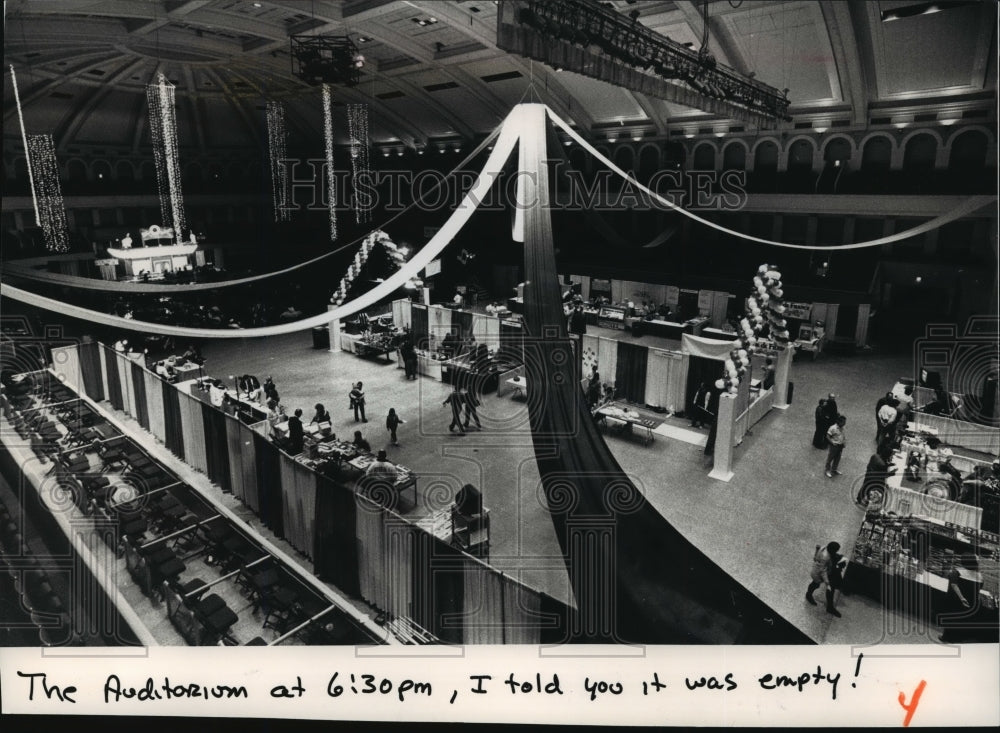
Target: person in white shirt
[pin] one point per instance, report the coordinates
(491, 310)
(458, 300)
(837, 439)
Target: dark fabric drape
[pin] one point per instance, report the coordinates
(700, 370)
(114, 380)
(139, 390)
(630, 377)
(216, 446)
(268, 483)
(461, 323)
(335, 554)
(90, 365)
(614, 541)
(172, 418)
(418, 325)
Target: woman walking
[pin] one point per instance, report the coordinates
(392, 423)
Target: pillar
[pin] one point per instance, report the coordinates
(334, 330)
(722, 470)
(782, 370)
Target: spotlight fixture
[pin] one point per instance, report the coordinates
(326, 60)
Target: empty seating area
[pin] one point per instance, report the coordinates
(187, 568)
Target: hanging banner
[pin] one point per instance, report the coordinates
(801, 311)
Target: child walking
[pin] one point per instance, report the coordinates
(392, 423)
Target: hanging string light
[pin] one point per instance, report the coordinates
(331, 179)
(47, 193)
(163, 126)
(277, 143)
(357, 126)
(24, 139)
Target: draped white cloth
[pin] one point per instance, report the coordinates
(401, 311)
(193, 425)
(970, 205)
(706, 348)
(66, 365)
(666, 378)
(103, 352)
(483, 621)
(506, 139)
(438, 322)
(399, 537)
(124, 366)
(607, 360)
(248, 469)
(154, 405)
(521, 608)
(372, 565)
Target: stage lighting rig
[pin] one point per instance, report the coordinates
(326, 60)
(594, 39)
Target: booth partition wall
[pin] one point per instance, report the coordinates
(364, 549)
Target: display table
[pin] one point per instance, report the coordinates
(659, 327)
(518, 385)
(463, 370)
(719, 334)
(904, 563)
(405, 478)
(629, 418)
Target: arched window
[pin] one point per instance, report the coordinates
(968, 151)
(624, 158)
(649, 162)
(876, 155)
(704, 157)
(765, 159)
(124, 172)
(800, 157)
(734, 157)
(102, 171)
(837, 149)
(920, 152)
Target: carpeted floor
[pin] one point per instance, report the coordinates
(761, 527)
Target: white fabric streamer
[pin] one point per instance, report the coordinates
(508, 136)
(974, 203)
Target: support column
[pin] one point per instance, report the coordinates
(334, 328)
(782, 370)
(722, 470)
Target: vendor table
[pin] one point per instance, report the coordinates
(629, 418)
(405, 478)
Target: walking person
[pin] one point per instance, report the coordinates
(392, 423)
(819, 435)
(357, 396)
(700, 404)
(470, 402)
(455, 400)
(837, 438)
(822, 564)
(711, 413)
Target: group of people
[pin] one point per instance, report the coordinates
(460, 400)
(830, 433)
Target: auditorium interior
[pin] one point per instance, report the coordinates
(385, 323)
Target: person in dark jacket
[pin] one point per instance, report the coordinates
(819, 436)
(876, 473)
(270, 390)
(470, 403)
(392, 423)
(360, 443)
(702, 399)
(455, 400)
(296, 433)
(357, 396)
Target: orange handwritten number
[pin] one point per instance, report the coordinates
(912, 707)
